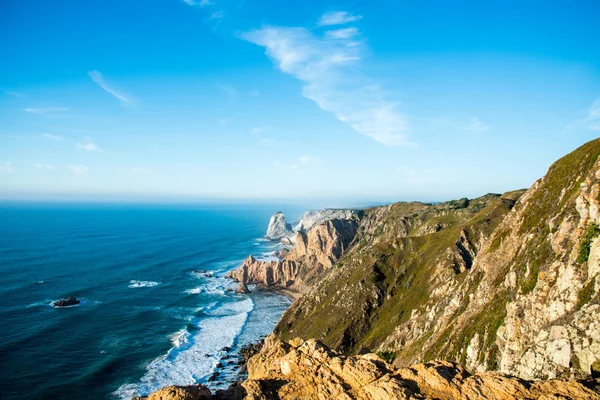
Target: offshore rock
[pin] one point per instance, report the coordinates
(278, 228)
(71, 301)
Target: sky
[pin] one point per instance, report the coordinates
(346, 101)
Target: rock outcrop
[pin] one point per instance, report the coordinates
(309, 370)
(314, 252)
(508, 283)
(279, 228)
(69, 302)
(192, 392)
(312, 218)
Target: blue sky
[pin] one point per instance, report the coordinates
(237, 99)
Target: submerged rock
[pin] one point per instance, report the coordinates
(71, 301)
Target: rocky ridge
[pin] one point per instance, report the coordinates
(309, 370)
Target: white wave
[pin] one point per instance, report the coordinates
(139, 284)
(197, 359)
(196, 290)
(180, 338)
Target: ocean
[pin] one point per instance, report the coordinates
(155, 309)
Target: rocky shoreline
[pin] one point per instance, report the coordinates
(309, 370)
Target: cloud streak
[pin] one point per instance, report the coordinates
(98, 79)
(6, 167)
(52, 137)
(47, 167)
(337, 18)
(200, 3)
(78, 169)
(477, 126)
(48, 112)
(592, 121)
(88, 145)
(329, 66)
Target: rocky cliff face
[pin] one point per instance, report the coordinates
(312, 218)
(310, 370)
(314, 252)
(506, 283)
(279, 228)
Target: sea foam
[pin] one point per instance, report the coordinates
(194, 355)
(139, 284)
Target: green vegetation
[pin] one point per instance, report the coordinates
(387, 356)
(498, 239)
(586, 242)
(389, 274)
(585, 294)
(561, 182)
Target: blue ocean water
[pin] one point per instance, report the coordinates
(146, 319)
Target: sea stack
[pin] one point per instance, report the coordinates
(278, 228)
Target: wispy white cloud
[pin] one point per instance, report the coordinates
(227, 89)
(344, 33)
(6, 167)
(88, 145)
(78, 169)
(286, 166)
(13, 94)
(99, 80)
(217, 15)
(53, 137)
(41, 166)
(200, 3)
(592, 121)
(337, 18)
(477, 126)
(257, 130)
(48, 112)
(295, 166)
(330, 68)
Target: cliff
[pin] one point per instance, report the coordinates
(312, 218)
(313, 252)
(310, 370)
(507, 283)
